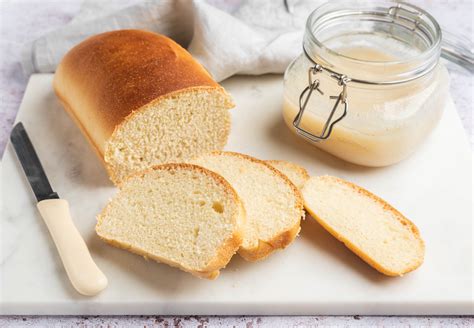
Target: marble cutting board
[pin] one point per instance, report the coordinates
(315, 275)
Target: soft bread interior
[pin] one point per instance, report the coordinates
(370, 227)
(271, 202)
(176, 214)
(171, 129)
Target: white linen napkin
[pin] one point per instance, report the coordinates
(237, 37)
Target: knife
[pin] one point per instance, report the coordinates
(81, 269)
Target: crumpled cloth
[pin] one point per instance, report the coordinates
(234, 37)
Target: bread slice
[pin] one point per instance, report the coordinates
(366, 224)
(179, 214)
(273, 204)
(297, 174)
(142, 100)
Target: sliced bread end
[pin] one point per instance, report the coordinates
(366, 224)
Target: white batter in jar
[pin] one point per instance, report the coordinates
(396, 89)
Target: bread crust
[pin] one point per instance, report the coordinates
(359, 252)
(223, 254)
(109, 76)
(265, 248)
(284, 238)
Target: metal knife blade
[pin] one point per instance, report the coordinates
(31, 164)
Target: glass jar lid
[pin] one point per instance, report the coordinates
(409, 35)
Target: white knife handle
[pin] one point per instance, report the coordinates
(81, 269)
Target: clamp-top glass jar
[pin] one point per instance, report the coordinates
(368, 87)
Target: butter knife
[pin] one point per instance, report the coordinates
(81, 269)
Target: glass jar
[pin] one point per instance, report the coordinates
(369, 86)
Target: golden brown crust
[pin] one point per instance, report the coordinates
(224, 253)
(301, 171)
(359, 252)
(107, 77)
(284, 238)
(265, 248)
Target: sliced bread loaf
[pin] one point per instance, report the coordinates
(297, 174)
(366, 224)
(142, 100)
(273, 204)
(179, 214)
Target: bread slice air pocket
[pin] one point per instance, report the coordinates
(272, 203)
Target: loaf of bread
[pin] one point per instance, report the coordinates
(297, 174)
(273, 204)
(179, 214)
(366, 224)
(141, 100)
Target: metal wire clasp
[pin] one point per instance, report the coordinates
(313, 84)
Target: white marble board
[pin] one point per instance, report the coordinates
(315, 275)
